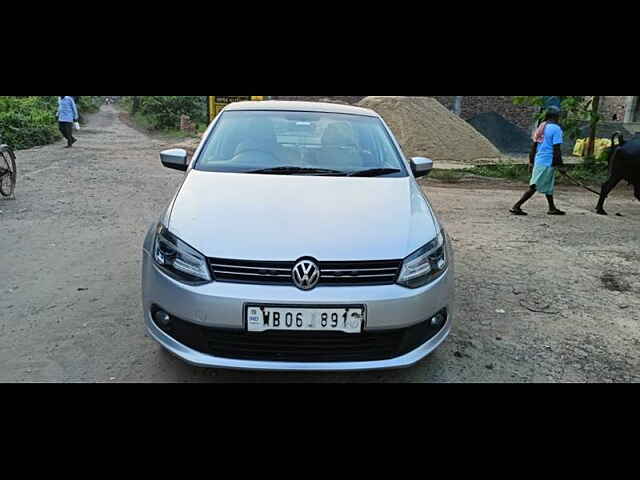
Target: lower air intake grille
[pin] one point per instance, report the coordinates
(300, 346)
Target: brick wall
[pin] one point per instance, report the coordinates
(472, 106)
(613, 108)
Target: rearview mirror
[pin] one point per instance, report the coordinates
(175, 159)
(421, 167)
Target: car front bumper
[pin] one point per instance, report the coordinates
(199, 359)
(222, 306)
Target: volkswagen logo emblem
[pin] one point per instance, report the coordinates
(306, 275)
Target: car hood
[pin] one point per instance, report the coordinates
(284, 218)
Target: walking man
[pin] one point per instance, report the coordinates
(67, 115)
(546, 156)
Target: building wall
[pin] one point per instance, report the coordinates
(613, 109)
(472, 106)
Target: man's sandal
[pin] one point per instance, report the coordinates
(556, 212)
(518, 212)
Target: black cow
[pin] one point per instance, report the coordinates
(624, 164)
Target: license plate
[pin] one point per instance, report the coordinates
(331, 319)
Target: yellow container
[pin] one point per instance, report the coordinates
(578, 150)
(600, 145)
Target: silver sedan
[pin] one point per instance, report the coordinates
(299, 240)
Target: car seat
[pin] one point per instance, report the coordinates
(339, 147)
(261, 136)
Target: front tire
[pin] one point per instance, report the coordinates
(8, 179)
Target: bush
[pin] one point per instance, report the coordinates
(510, 172)
(163, 113)
(589, 172)
(90, 104)
(27, 122)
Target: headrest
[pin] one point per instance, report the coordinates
(338, 134)
(262, 130)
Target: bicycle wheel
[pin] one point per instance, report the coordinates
(9, 174)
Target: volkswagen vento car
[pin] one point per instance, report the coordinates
(299, 240)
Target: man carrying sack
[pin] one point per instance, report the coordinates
(546, 156)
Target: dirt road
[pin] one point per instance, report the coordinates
(70, 249)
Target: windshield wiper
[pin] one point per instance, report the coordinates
(296, 170)
(374, 172)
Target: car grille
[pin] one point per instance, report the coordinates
(300, 346)
(381, 272)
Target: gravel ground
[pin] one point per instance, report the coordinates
(541, 299)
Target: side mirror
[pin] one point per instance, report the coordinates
(175, 159)
(421, 167)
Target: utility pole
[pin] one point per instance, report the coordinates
(457, 105)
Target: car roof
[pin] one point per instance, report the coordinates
(280, 105)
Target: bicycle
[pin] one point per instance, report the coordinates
(8, 171)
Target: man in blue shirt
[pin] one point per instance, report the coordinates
(67, 115)
(546, 156)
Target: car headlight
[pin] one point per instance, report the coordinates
(425, 265)
(179, 259)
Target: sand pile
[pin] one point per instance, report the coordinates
(425, 128)
(505, 136)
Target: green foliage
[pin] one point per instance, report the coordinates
(591, 172)
(27, 122)
(125, 103)
(604, 156)
(518, 172)
(163, 113)
(90, 104)
(576, 111)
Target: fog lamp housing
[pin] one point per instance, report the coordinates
(439, 319)
(162, 317)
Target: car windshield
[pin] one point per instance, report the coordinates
(300, 143)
